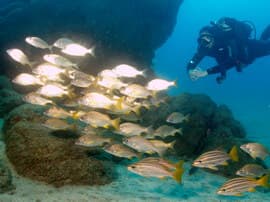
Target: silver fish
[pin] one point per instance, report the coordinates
(26, 79)
(97, 100)
(49, 71)
(78, 50)
(129, 129)
(57, 112)
(176, 118)
(19, 56)
(62, 43)
(121, 151)
(59, 61)
(255, 150)
(252, 170)
(52, 90)
(97, 119)
(159, 84)
(58, 124)
(165, 131)
(34, 98)
(141, 144)
(124, 70)
(236, 186)
(81, 79)
(92, 140)
(136, 91)
(37, 42)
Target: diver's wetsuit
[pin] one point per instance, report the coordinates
(230, 53)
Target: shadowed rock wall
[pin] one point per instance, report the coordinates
(127, 31)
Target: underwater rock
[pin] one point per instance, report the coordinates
(39, 155)
(206, 120)
(5, 83)
(9, 99)
(5, 179)
(124, 32)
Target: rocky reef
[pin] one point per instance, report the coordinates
(5, 178)
(209, 127)
(124, 32)
(37, 154)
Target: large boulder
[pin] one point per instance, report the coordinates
(210, 126)
(9, 99)
(123, 31)
(37, 154)
(206, 120)
(5, 178)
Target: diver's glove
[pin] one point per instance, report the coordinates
(197, 73)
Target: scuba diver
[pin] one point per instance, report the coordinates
(229, 42)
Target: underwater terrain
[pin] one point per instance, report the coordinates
(65, 154)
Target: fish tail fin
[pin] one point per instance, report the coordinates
(137, 110)
(263, 181)
(149, 129)
(119, 103)
(43, 79)
(115, 123)
(91, 51)
(177, 175)
(50, 47)
(154, 94)
(31, 64)
(143, 73)
(76, 114)
(161, 151)
(171, 144)
(175, 83)
(179, 164)
(234, 154)
(71, 94)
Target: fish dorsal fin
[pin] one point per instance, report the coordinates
(220, 148)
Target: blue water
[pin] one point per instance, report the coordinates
(247, 93)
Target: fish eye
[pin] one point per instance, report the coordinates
(133, 166)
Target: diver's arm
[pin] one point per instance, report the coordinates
(195, 60)
(222, 69)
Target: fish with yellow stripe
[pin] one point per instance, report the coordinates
(214, 158)
(159, 168)
(97, 119)
(236, 186)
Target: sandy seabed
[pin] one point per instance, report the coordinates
(199, 187)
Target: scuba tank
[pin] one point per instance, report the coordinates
(240, 29)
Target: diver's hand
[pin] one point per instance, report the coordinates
(197, 73)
